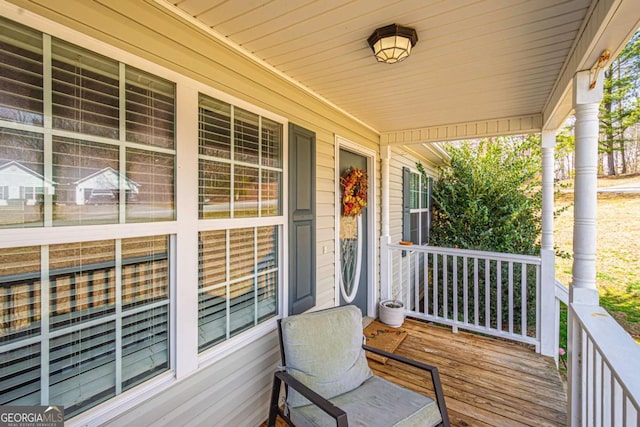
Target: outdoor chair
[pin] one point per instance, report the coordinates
(328, 381)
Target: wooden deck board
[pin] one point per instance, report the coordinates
(486, 382)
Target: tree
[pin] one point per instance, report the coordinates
(620, 107)
(565, 149)
(489, 197)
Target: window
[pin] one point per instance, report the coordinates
(417, 207)
(88, 146)
(96, 161)
(102, 329)
(240, 169)
(88, 140)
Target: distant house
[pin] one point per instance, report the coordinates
(103, 186)
(19, 183)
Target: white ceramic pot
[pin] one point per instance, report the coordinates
(392, 313)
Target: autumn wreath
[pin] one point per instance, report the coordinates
(354, 191)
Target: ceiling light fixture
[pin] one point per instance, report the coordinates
(392, 43)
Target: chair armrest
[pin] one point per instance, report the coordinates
(435, 377)
(332, 410)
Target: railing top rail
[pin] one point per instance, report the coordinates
(615, 346)
(529, 259)
(562, 292)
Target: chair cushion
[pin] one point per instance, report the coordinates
(377, 402)
(323, 350)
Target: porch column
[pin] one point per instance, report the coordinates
(583, 290)
(585, 102)
(548, 320)
(385, 238)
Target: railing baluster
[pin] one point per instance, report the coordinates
(435, 285)
(606, 402)
(499, 295)
(510, 297)
(416, 278)
(523, 300)
(426, 283)
(617, 404)
(445, 287)
(465, 290)
(404, 296)
(487, 293)
(597, 398)
(455, 293)
(397, 294)
(476, 308)
(584, 374)
(538, 304)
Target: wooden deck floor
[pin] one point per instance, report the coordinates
(486, 382)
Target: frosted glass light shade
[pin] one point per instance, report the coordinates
(392, 43)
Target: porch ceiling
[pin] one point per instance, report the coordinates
(476, 60)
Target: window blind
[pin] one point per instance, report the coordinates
(238, 281)
(150, 109)
(271, 143)
(20, 376)
(214, 185)
(151, 181)
(82, 282)
(212, 288)
(245, 135)
(82, 368)
(85, 91)
(145, 301)
(20, 74)
(214, 128)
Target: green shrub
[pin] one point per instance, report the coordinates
(489, 199)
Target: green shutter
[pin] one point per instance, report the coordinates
(406, 204)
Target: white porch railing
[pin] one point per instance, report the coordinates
(604, 378)
(446, 286)
(487, 292)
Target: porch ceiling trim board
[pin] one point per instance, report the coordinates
(469, 130)
(609, 25)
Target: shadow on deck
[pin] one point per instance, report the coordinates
(486, 381)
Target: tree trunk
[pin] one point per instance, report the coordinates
(623, 156)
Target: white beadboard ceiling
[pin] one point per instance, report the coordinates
(474, 60)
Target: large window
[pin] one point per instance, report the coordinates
(240, 168)
(84, 140)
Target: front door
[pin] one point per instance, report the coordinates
(353, 244)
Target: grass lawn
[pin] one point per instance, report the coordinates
(618, 251)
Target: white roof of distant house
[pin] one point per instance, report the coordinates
(107, 179)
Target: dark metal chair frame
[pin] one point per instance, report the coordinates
(336, 413)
